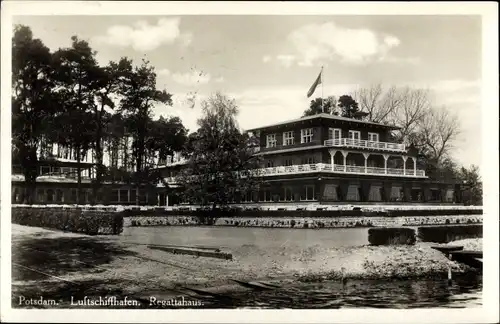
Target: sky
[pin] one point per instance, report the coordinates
(268, 63)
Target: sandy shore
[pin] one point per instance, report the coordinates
(97, 265)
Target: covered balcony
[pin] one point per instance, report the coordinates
(358, 143)
(340, 168)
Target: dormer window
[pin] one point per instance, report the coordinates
(271, 140)
(373, 137)
(306, 135)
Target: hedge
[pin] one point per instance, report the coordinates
(391, 236)
(75, 220)
(448, 233)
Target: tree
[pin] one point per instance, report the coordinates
(138, 96)
(107, 84)
(348, 106)
(77, 81)
(220, 158)
(377, 102)
(167, 136)
(436, 132)
(114, 136)
(32, 101)
(413, 105)
(431, 130)
(473, 185)
(319, 105)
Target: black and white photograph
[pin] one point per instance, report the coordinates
(196, 157)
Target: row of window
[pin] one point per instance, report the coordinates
(306, 136)
(63, 171)
(56, 196)
(61, 196)
(287, 194)
(290, 162)
(127, 196)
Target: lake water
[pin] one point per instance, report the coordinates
(233, 237)
(465, 291)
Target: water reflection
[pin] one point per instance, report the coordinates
(465, 291)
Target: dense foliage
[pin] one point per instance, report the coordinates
(67, 98)
(32, 100)
(71, 220)
(220, 157)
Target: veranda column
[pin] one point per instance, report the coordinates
(166, 200)
(414, 166)
(386, 157)
(345, 153)
(158, 199)
(366, 155)
(332, 155)
(404, 164)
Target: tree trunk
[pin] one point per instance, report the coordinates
(139, 160)
(29, 196)
(79, 177)
(30, 171)
(99, 163)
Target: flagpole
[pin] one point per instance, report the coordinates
(322, 100)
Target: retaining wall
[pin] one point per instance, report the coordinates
(300, 222)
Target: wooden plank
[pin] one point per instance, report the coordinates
(193, 251)
(447, 248)
(472, 254)
(253, 285)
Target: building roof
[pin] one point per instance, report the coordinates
(326, 116)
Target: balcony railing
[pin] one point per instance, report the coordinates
(336, 168)
(349, 142)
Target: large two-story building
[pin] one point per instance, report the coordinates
(329, 159)
(323, 159)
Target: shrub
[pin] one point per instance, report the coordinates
(292, 223)
(306, 225)
(391, 236)
(75, 220)
(445, 234)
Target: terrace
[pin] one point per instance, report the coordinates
(355, 143)
(332, 168)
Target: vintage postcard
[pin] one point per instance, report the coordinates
(249, 162)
